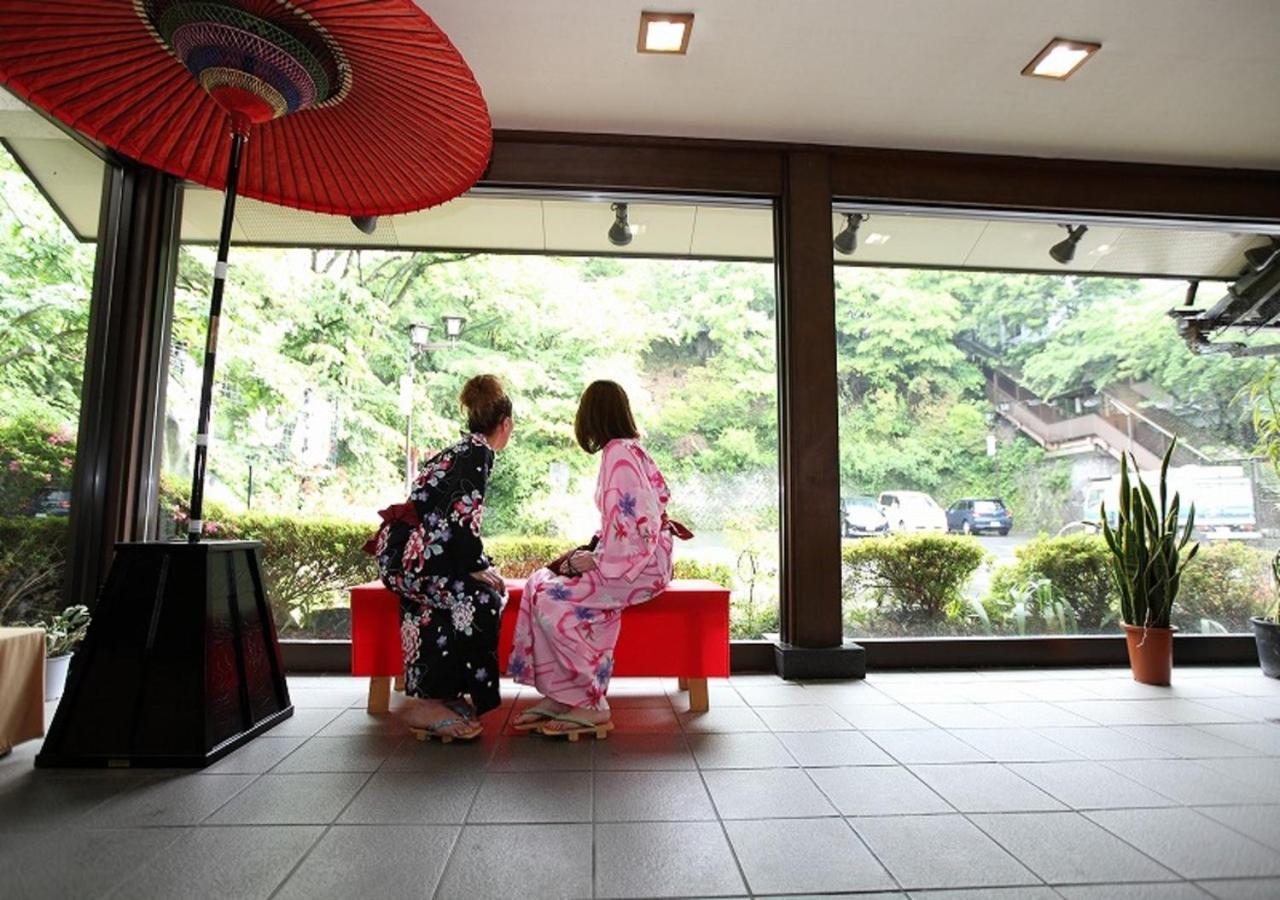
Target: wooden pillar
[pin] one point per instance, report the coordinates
(120, 438)
(812, 628)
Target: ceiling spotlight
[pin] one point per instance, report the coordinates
(619, 231)
(847, 240)
(366, 224)
(1259, 258)
(1065, 250)
(1060, 59)
(664, 32)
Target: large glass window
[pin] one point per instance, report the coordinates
(340, 366)
(987, 393)
(50, 191)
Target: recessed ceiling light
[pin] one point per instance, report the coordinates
(1060, 59)
(664, 32)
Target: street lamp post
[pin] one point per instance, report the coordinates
(420, 341)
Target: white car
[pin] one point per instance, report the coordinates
(912, 511)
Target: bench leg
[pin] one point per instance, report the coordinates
(698, 699)
(379, 695)
(683, 684)
(399, 685)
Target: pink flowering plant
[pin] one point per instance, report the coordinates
(35, 455)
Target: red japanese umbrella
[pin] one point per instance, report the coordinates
(352, 107)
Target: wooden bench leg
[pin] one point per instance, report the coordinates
(698, 698)
(683, 684)
(379, 695)
(399, 685)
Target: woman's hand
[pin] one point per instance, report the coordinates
(491, 578)
(582, 561)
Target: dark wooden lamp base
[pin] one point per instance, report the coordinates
(180, 666)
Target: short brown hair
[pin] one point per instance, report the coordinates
(485, 403)
(604, 414)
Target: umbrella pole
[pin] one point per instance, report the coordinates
(195, 526)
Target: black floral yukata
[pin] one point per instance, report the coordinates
(426, 550)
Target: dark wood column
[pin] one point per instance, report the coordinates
(113, 493)
(809, 418)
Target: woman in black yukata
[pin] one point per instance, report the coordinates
(429, 553)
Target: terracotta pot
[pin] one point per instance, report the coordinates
(1150, 653)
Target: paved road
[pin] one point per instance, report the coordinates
(1002, 548)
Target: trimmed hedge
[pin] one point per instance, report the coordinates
(1078, 568)
(1222, 587)
(518, 557)
(909, 583)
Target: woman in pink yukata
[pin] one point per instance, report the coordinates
(568, 624)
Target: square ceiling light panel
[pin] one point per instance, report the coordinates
(664, 32)
(1060, 59)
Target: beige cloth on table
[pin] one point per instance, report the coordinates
(21, 685)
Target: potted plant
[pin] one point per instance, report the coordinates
(1266, 629)
(1266, 422)
(1147, 548)
(62, 635)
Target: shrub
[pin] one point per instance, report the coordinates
(35, 455)
(912, 582)
(1077, 567)
(32, 566)
(1222, 587)
(708, 571)
(517, 556)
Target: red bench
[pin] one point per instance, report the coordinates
(682, 632)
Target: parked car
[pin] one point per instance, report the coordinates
(974, 515)
(50, 503)
(862, 517)
(912, 511)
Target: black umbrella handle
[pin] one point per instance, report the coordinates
(195, 527)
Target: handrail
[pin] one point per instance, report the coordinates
(1047, 425)
(1128, 410)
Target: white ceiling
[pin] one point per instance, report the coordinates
(71, 178)
(1176, 81)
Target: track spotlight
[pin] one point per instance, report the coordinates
(847, 240)
(619, 231)
(1260, 258)
(366, 224)
(1065, 250)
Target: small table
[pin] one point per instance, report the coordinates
(21, 686)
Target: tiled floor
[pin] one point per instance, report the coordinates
(992, 784)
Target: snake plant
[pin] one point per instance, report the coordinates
(1147, 545)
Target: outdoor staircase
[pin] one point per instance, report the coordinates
(1110, 421)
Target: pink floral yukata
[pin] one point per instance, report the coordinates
(567, 627)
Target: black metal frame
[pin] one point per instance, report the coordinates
(120, 437)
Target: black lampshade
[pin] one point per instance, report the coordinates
(1065, 250)
(619, 231)
(367, 224)
(847, 240)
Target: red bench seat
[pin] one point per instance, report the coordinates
(683, 632)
